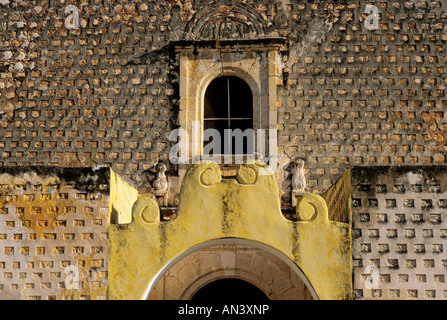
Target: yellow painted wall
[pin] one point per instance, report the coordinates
(247, 207)
(122, 197)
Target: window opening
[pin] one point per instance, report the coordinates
(229, 111)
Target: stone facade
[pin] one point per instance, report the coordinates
(88, 83)
(108, 92)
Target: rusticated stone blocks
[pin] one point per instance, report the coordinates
(399, 232)
(53, 233)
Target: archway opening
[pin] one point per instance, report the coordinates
(260, 265)
(229, 289)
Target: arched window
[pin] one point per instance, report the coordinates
(229, 111)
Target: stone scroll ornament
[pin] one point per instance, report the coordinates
(244, 208)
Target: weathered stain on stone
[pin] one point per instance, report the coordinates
(37, 211)
(295, 243)
(45, 201)
(51, 214)
(230, 210)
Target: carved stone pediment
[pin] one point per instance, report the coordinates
(226, 20)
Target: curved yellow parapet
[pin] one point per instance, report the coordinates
(248, 208)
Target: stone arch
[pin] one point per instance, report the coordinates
(219, 11)
(264, 267)
(234, 72)
(227, 71)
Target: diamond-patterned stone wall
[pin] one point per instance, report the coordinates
(108, 92)
(53, 233)
(399, 233)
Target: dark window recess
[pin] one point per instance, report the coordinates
(229, 110)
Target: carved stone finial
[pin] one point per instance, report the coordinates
(299, 182)
(160, 183)
(298, 178)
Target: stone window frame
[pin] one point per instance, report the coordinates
(257, 62)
